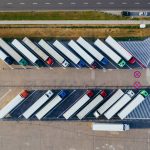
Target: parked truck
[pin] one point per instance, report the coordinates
(96, 54)
(110, 127)
(76, 60)
(20, 47)
(117, 95)
(118, 48)
(5, 58)
(38, 51)
(133, 104)
(110, 53)
(119, 104)
(40, 102)
(73, 109)
(88, 108)
(13, 103)
(53, 53)
(10, 51)
(50, 105)
(82, 53)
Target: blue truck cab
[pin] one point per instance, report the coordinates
(62, 94)
(104, 61)
(81, 64)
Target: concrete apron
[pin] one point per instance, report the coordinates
(74, 78)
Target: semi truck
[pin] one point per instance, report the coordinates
(53, 53)
(38, 51)
(76, 60)
(118, 48)
(50, 105)
(119, 104)
(117, 95)
(110, 127)
(88, 108)
(110, 53)
(13, 103)
(96, 54)
(10, 51)
(33, 108)
(133, 104)
(82, 53)
(73, 109)
(5, 58)
(20, 47)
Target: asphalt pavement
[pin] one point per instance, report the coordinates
(33, 5)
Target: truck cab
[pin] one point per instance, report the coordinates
(104, 61)
(132, 60)
(131, 93)
(49, 61)
(96, 114)
(89, 93)
(65, 63)
(81, 63)
(62, 94)
(122, 63)
(144, 93)
(103, 93)
(24, 94)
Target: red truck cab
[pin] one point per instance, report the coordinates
(103, 93)
(132, 60)
(89, 93)
(24, 94)
(49, 61)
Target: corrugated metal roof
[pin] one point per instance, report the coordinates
(139, 49)
(142, 111)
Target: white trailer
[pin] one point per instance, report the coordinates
(82, 53)
(25, 52)
(110, 127)
(12, 104)
(118, 94)
(32, 109)
(5, 58)
(58, 98)
(110, 53)
(92, 50)
(86, 110)
(119, 104)
(76, 60)
(9, 50)
(117, 47)
(53, 53)
(73, 109)
(132, 105)
(38, 51)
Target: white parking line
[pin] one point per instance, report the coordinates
(137, 3)
(124, 3)
(73, 3)
(85, 3)
(34, 3)
(60, 3)
(47, 3)
(111, 3)
(21, 3)
(9, 3)
(98, 3)
(5, 94)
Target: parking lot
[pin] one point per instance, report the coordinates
(111, 64)
(68, 136)
(56, 113)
